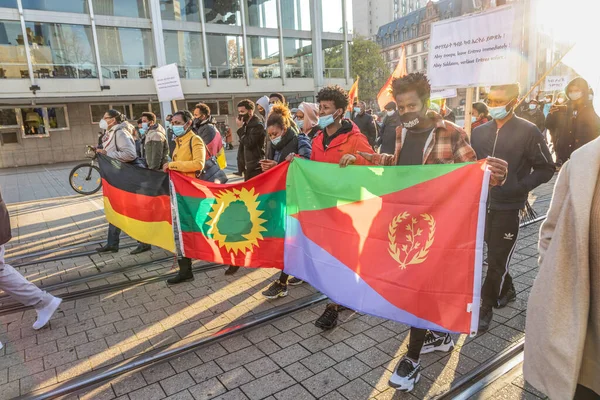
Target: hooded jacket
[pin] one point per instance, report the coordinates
(212, 139)
(264, 103)
(119, 144)
(522, 146)
(347, 140)
(311, 117)
(156, 148)
(5, 234)
(573, 127)
(387, 137)
(252, 143)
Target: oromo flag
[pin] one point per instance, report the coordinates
(403, 243)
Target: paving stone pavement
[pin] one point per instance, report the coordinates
(288, 358)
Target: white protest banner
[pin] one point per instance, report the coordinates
(167, 82)
(478, 50)
(442, 93)
(555, 83)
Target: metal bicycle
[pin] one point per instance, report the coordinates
(85, 178)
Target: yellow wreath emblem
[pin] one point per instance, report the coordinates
(412, 252)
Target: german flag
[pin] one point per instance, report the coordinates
(137, 201)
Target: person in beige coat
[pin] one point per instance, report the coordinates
(562, 338)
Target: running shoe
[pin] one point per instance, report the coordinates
(276, 290)
(406, 375)
(434, 342)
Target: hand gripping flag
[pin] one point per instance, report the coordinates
(240, 224)
(137, 201)
(403, 243)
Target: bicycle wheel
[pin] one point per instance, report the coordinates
(85, 179)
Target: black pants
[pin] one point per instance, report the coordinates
(501, 231)
(283, 278)
(416, 341)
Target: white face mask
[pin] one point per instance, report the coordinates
(390, 113)
(103, 124)
(575, 95)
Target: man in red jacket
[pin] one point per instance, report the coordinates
(338, 142)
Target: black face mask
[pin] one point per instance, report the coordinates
(412, 119)
(244, 117)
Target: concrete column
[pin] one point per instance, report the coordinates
(33, 87)
(282, 65)
(317, 45)
(96, 47)
(204, 42)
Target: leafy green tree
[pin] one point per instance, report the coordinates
(367, 62)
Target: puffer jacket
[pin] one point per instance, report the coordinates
(156, 148)
(212, 139)
(347, 140)
(5, 234)
(186, 161)
(252, 138)
(291, 142)
(119, 144)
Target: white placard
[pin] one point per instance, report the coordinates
(167, 82)
(476, 50)
(555, 83)
(442, 93)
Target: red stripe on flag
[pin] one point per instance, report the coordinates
(268, 182)
(138, 206)
(268, 254)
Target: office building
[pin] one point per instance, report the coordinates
(63, 63)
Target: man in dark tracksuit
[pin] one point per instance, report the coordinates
(522, 145)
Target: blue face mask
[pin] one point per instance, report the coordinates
(178, 130)
(473, 119)
(142, 131)
(498, 112)
(276, 141)
(326, 120)
(357, 110)
(145, 126)
(300, 124)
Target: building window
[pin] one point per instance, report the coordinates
(226, 56)
(73, 6)
(185, 50)
(334, 61)
(295, 17)
(61, 50)
(298, 58)
(414, 65)
(425, 63)
(414, 48)
(9, 126)
(138, 108)
(262, 14)
(97, 111)
(264, 57)
(39, 121)
(58, 118)
(425, 44)
(332, 16)
(222, 12)
(8, 3)
(180, 10)
(217, 107)
(126, 53)
(122, 8)
(13, 62)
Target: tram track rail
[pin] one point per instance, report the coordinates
(464, 388)
(82, 294)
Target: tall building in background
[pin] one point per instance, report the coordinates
(369, 15)
(65, 64)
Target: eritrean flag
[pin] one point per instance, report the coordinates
(403, 243)
(240, 224)
(137, 201)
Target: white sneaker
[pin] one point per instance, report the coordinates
(434, 342)
(46, 313)
(406, 375)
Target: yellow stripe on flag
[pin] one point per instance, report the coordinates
(156, 233)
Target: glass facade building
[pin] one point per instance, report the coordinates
(64, 62)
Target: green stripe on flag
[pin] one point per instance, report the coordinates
(194, 214)
(316, 186)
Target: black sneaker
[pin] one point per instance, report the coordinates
(293, 281)
(107, 249)
(180, 279)
(485, 318)
(232, 270)
(329, 317)
(508, 297)
(434, 342)
(142, 248)
(277, 289)
(406, 375)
